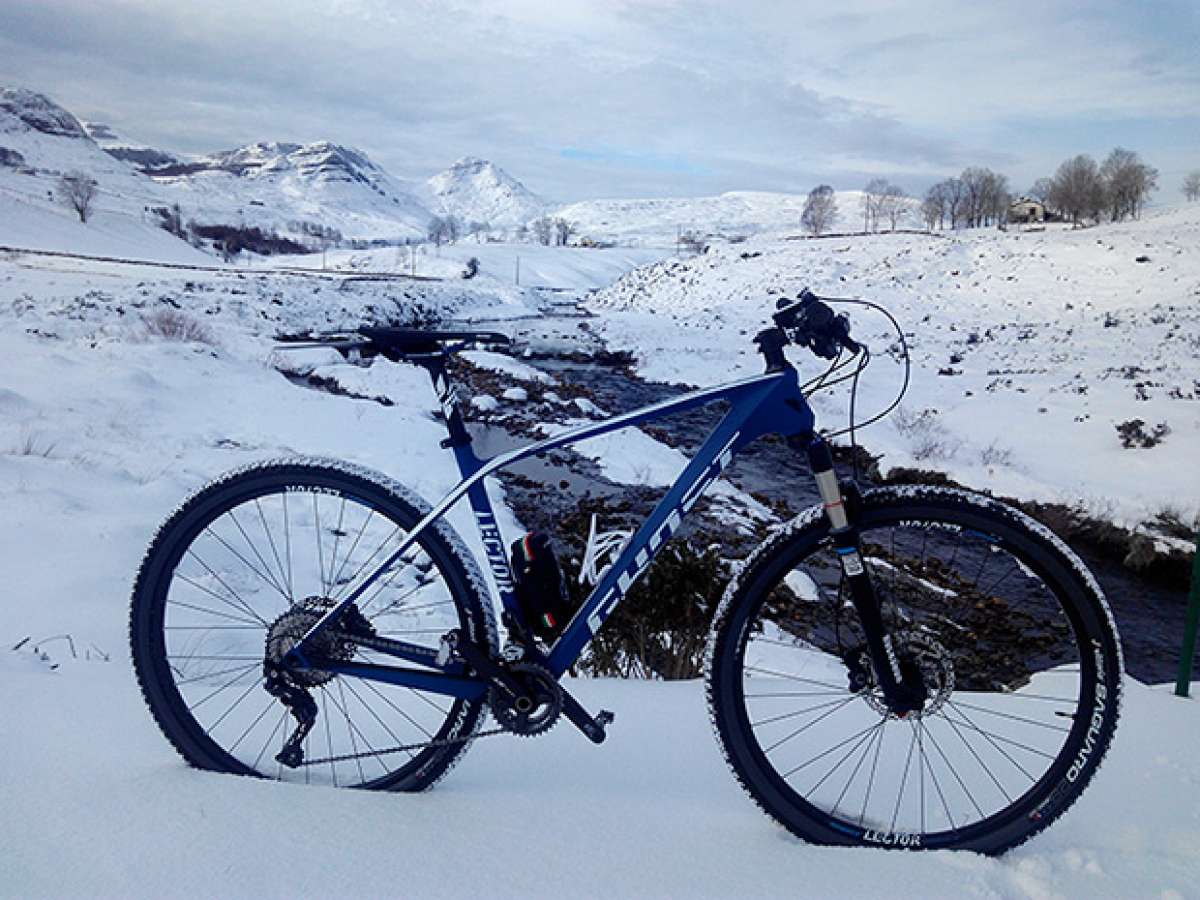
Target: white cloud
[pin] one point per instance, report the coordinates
(759, 95)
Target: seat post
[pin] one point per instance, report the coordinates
(447, 397)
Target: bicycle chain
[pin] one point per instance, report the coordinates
(403, 748)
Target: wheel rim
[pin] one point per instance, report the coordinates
(243, 566)
(980, 752)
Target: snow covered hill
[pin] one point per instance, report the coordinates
(278, 185)
(475, 190)
(658, 221)
(138, 155)
(1030, 348)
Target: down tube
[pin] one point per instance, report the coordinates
(733, 432)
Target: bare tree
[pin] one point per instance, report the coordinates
(438, 230)
(893, 205)
(1078, 190)
(543, 230)
(78, 191)
(562, 232)
(820, 210)
(871, 199)
(453, 228)
(1041, 189)
(1191, 185)
(1127, 183)
(955, 195)
(479, 229)
(933, 207)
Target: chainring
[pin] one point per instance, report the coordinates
(533, 712)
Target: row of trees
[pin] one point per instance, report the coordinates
(976, 198)
(448, 229)
(548, 231)
(1116, 189)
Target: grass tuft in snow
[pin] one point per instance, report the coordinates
(173, 325)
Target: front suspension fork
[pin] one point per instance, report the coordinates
(843, 529)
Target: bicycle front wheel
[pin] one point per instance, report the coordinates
(1011, 638)
(240, 572)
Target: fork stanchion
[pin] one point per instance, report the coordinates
(1188, 653)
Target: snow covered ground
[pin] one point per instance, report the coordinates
(658, 221)
(565, 269)
(1028, 348)
(97, 804)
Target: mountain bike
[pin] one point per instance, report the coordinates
(904, 666)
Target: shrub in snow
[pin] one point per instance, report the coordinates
(472, 268)
(1134, 435)
(173, 325)
(928, 439)
(994, 455)
(33, 444)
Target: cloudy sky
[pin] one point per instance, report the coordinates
(641, 98)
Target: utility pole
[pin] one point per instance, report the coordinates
(1188, 653)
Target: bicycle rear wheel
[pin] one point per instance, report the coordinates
(1011, 638)
(246, 565)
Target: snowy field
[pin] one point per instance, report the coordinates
(1028, 348)
(96, 804)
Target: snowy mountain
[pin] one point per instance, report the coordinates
(116, 146)
(276, 185)
(735, 213)
(475, 190)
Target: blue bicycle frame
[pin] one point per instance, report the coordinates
(771, 403)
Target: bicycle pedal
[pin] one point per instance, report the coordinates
(604, 718)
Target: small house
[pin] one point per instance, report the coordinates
(1026, 209)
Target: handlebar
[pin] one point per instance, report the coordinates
(809, 322)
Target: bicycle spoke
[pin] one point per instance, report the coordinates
(954, 772)
(993, 712)
(871, 780)
(320, 555)
(375, 715)
(333, 582)
(262, 560)
(794, 677)
(249, 565)
(933, 776)
(794, 713)
(337, 539)
(903, 780)
(250, 727)
(212, 612)
(816, 721)
(240, 602)
(240, 605)
(274, 550)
